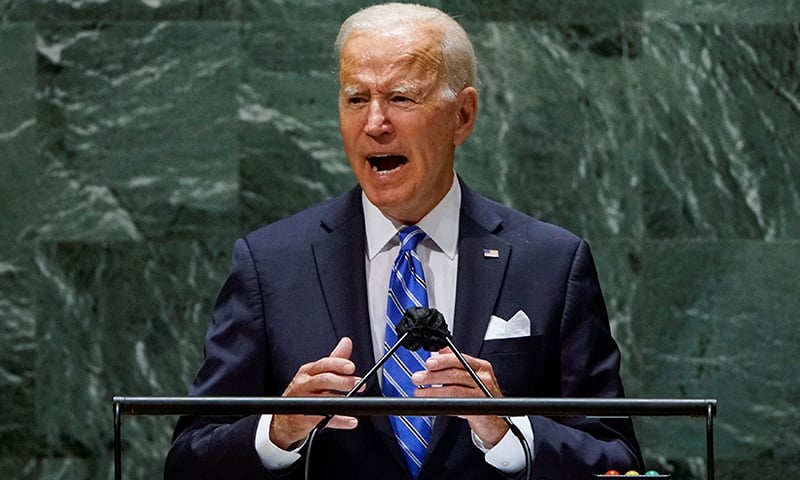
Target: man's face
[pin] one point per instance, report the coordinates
(398, 128)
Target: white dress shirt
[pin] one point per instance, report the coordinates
(438, 253)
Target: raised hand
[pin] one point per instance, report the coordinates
(328, 377)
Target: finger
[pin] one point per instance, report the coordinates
(449, 377)
(447, 360)
(287, 430)
(448, 370)
(328, 384)
(338, 360)
(343, 349)
(343, 423)
(448, 391)
(338, 366)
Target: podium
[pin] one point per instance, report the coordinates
(365, 406)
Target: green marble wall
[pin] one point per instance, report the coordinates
(139, 138)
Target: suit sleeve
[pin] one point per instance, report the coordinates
(589, 367)
(235, 364)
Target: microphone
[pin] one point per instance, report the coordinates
(425, 327)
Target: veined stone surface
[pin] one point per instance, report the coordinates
(139, 138)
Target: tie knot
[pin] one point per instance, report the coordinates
(410, 237)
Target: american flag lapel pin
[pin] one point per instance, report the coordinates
(491, 253)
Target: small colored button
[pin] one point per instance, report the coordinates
(651, 473)
(612, 472)
(631, 473)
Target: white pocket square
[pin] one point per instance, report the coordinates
(517, 326)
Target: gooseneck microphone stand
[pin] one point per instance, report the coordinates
(422, 328)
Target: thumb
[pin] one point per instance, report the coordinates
(343, 349)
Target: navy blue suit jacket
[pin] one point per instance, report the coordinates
(297, 286)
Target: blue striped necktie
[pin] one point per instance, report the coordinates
(406, 289)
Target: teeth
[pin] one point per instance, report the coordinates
(384, 172)
(386, 163)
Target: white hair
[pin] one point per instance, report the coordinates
(460, 65)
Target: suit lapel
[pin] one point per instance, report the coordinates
(482, 261)
(339, 258)
(340, 265)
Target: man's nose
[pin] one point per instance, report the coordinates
(377, 121)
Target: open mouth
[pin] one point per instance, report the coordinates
(386, 163)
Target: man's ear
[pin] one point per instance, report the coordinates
(467, 104)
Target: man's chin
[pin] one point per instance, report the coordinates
(395, 208)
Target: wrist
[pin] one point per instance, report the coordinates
(283, 439)
(488, 429)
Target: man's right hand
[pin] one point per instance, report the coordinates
(326, 377)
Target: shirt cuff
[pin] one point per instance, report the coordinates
(273, 457)
(507, 456)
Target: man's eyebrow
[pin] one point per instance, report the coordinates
(350, 90)
(406, 87)
(402, 88)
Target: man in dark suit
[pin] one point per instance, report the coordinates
(304, 309)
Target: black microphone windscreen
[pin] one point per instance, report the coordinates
(426, 327)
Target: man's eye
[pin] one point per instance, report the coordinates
(402, 99)
(356, 101)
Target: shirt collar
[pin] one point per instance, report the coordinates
(440, 224)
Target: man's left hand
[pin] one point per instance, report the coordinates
(446, 377)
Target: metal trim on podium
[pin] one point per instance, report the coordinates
(365, 406)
